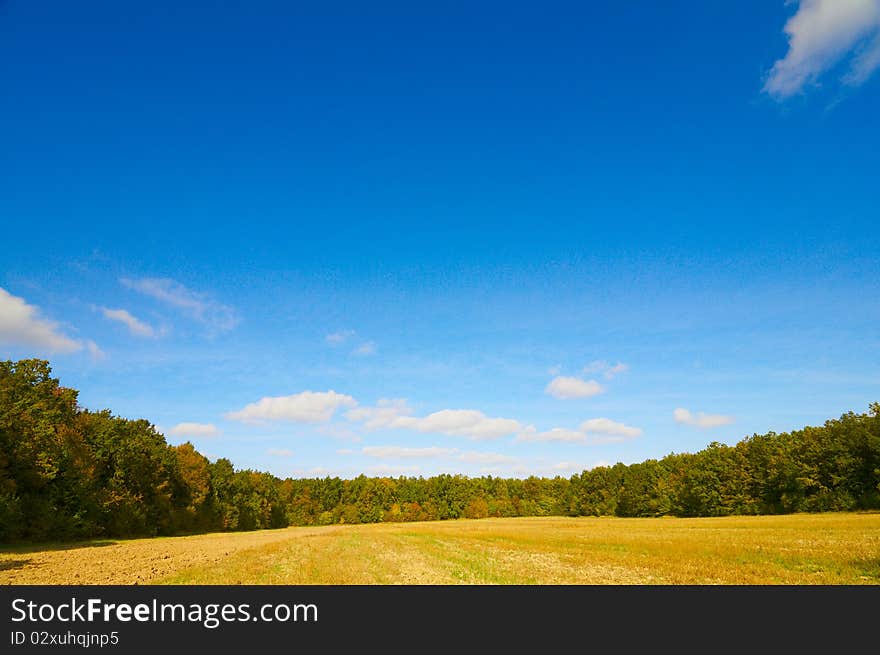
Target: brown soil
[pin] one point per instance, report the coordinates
(137, 561)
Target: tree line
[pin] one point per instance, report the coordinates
(71, 473)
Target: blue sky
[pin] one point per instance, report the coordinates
(477, 238)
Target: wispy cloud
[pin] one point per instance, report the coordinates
(205, 430)
(279, 452)
(197, 306)
(340, 337)
(135, 326)
(461, 423)
(391, 469)
(435, 452)
(566, 388)
(305, 407)
(454, 422)
(365, 349)
(386, 411)
(822, 34)
(22, 325)
(402, 452)
(609, 371)
(611, 428)
(339, 431)
(93, 349)
(570, 468)
(701, 420)
(594, 431)
(485, 459)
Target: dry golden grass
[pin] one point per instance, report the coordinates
(798, 549)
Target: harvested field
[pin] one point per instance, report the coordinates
(797, 549)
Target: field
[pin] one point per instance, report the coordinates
(796, 549)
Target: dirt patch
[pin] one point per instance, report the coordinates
(139, 561)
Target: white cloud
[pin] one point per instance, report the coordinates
(864, 65)
(555, 370)
(567, 388)
(94, 350)
(555, 434)
(435, 452)
(365, 349)
(21, 325)
(455, 422)
(592, 432)
(314, 472)
(135, 326)
(345, 451)
(279, 452)
(606, 369)
(386, 411)
(820, 35)
(701, 420)
(407, 453)
(608, 427)
(390, 469)
(338, 431)
(460, 423)
(564, 469)
(194, 430)
(306, 407)
(340, 337)
(198, 306)
(569, 467)
(486, 459)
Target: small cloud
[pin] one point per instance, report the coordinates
(345, 451)
(341, 337)
(454, 422)
(435, 452)
(279, 452)
(569, 468)
(195, 305)
(554, 370)
(393, 470)
(594, 432)
(386, 411)
(306, 407)
(609, 427)
(96, 353)
(135, 326)
(487, 459)
(556, 434)
(314, 472)
(701, 420)
(203, 430)
(401, 452)
(821, 34)
(365, 349)
(22, 325)
(461, 423)
(338, 338)
(566, 388)
(339, 431)
(606, 369)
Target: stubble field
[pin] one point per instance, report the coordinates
(796, 549)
